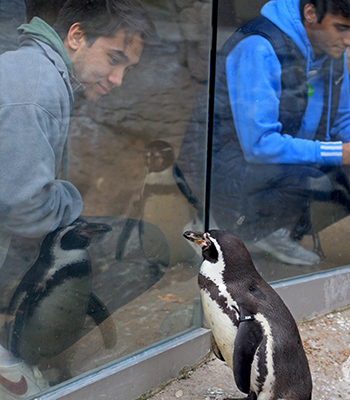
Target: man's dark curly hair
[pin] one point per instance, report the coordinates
(323, 7)
(105, 18)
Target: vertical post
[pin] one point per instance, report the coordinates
(212, 71)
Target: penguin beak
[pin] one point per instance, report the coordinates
(200, 238)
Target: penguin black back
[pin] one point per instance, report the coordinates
(252, 329)
(48, 308)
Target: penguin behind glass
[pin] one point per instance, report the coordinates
(47, 311)
(159, 159)
(163, 198)
(252, 329)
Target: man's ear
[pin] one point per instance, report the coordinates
(75, 37)
(310, 14)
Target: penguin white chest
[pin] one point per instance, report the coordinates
(221, 325)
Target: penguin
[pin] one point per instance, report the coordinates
(159, 157)
(47, 311)
(252, 329)
(162, 198)
(159, 200)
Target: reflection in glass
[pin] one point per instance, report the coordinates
(127, 159)
(141, 183)
(267, 185)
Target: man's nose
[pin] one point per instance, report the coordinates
(346, 39)
(116, 76)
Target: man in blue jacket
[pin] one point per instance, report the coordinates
(91, 47)
(282, 127)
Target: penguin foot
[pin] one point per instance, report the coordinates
(241, 398)
(251, 396)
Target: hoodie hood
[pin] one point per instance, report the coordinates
(286, 15)
(40, 30)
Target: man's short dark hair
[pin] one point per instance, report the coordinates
(324, 7)
(105, 18)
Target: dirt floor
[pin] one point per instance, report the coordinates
(327, 345)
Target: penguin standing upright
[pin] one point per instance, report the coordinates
(162, 196)
(159, 159)
(47, 311)
(162, 199)
(252, 329)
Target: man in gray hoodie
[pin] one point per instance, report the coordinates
(89, 49)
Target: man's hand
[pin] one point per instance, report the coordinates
(346, 154)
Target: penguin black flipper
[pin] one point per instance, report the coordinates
(248, 339)
(98, 311)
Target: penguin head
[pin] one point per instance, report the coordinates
(159, 156)
(225, 246)
(208, 246)
(78, 235)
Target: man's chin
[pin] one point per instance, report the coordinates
(86, 95)
(337, 53)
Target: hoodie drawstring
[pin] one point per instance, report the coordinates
(328, 136)
(308, 62)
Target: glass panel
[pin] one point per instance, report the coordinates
(130, 155)
(276, 168)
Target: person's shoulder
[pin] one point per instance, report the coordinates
(253, 46)
(31, 58)
(29, 75)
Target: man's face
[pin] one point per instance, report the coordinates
(331, 36)
(101, 66)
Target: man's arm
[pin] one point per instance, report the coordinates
(254, 80)
(341, 126)
(32, 201)
(346, 154)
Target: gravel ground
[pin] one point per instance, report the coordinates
(327, 344)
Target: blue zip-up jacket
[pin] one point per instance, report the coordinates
(36, 100)
(254, 84)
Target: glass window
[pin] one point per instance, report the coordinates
(137, 158)
(277, 179)
(107, 142)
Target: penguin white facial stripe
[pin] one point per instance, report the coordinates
(270, 378)
(214, 272)
(65, 257)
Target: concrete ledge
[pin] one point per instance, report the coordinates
(316, 294)
(140, 374)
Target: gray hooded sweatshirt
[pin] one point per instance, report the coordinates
(36, 101)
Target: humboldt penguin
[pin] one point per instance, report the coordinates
(47, 311)
(160, 199)
(252, 329)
